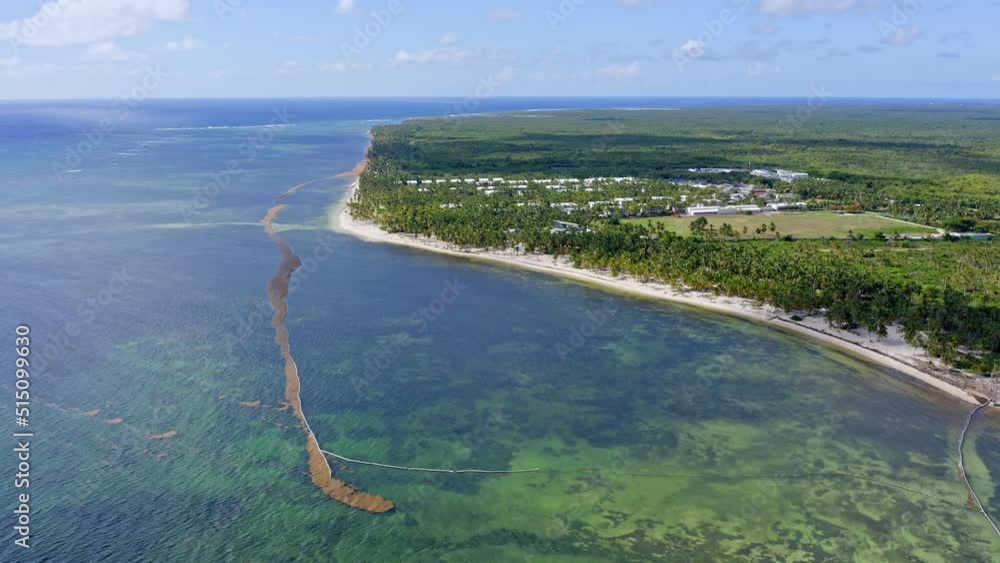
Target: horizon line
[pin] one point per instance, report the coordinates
(525, 97)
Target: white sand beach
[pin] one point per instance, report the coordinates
(891, 351)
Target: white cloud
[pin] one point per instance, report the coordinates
(449, 38)
(903, 36)
(109, 52)
(799, 7)
(74, 22)
(505, 75)
(690, 49)
(289, 67)
(759, 69)
(15, 67)
(345, 7)
(503, 14)
(763, 28)
(341, 67)
(403, 56)
(619, 72)
(186, 44)
(426, 56)
(454, 55)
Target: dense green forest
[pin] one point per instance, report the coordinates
(937, 165)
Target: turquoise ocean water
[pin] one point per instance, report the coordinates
(668, 434)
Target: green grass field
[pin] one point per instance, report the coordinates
(818, 224)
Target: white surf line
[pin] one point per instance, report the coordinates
(429, 470)
(961, 461)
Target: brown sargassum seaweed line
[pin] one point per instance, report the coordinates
(277, 292)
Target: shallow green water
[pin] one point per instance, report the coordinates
(639, 430)
(664, 434)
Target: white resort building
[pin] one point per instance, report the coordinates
(722, 210)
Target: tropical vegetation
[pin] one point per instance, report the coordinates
(943, 294)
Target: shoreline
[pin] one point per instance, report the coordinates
(892, 352)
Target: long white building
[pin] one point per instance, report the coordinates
(721, 210)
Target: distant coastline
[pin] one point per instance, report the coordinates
(892, 351)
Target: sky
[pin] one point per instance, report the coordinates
(400, 48)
